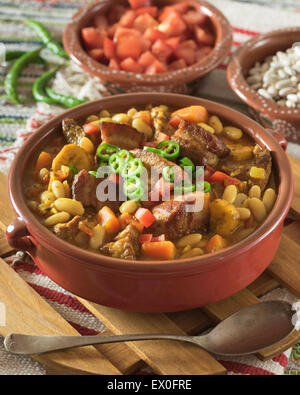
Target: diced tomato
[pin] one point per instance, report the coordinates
(181, 6)
(115, 13)
(145, 217)
(153, 34)
(124, 34)
(159, 238)
(91, 128)
(112, 30)
(146, 59)
(97, 54)
(100, 21)
(152, 144)
(143, 22)
(128, 18)
(203, 36)
(147, 10)
(163, 188)
(173, 42)
(109, 48)
(140, 3)
(145, 238)
(146, 44)
(92, 37)
(129, 64)
(203, 52)
(161, 50)
(177, 65)
(132, 48)
(173, 25)
(194, 18)
(187, 51)
(164, 13)
(113, 63)
(157, 67)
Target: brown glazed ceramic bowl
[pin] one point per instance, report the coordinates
(121, 81)
(283, 119)
(148, 286)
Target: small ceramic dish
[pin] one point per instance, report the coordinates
(283, 119)
(149, 286)
(123, 81)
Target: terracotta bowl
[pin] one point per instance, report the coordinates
(121, 81)
(283, 119)
(148, 286)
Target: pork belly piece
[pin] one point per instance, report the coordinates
(69, 230)
(202, 147)
(261, 159)
(84, 189)
(72, 132)
(125, 245)
(121, 135)
(174, 219)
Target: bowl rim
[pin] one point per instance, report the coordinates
(200, 263)
(79, 55)
(240, 86)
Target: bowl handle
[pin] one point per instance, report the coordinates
(279, 138)
(18, 237)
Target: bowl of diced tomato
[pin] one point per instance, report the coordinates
(148, 45)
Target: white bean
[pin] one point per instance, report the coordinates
(98, 237)
(74, 207)
(257, 208)
(58, 218)
(269, 199)
(58, 189)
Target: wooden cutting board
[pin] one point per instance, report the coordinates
(164, 357)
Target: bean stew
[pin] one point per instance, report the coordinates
(152, 183)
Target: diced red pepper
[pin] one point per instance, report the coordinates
(159, 238)
(145, 238)
(219, 176)
(145, 217)
(161, 137)
(91, 128)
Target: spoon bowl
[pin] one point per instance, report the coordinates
(249, 330)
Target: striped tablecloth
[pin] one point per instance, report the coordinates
(17, 123)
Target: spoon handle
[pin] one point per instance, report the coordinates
(31, 345)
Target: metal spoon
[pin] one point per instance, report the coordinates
(249, 330)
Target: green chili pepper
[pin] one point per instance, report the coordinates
(46, 38)
(67, 101)
(38, 89)
(186, 162)
(15, 54)
(103, 171)
(11, 79)
(180, 189)
(134, 188)
(199, 171)
(168, 174)
(115, 163)
(170, 149)
(105, 150)
(125, 155)
(204, 186)
(155, 150)
(133, 168)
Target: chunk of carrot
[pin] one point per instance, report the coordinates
(44, 161)
(216, 243)
(159, 250)
(193, 113)
(108, 219)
